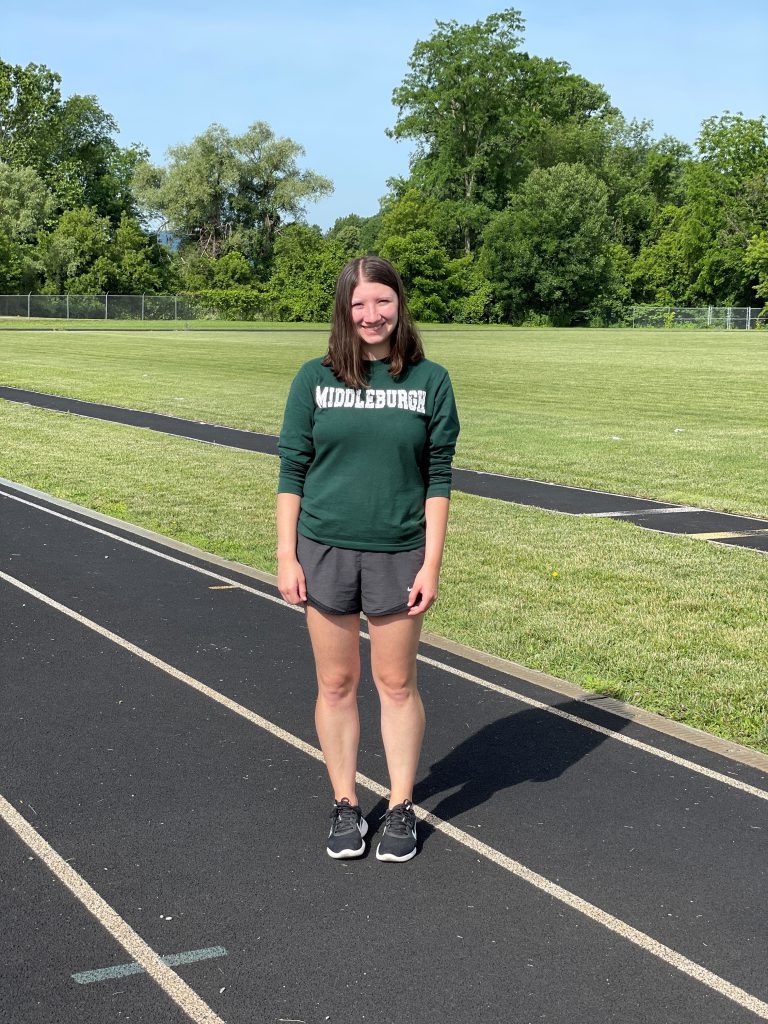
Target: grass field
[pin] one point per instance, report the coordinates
(674, 416)
(669, 623)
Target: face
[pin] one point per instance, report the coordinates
(374, 314)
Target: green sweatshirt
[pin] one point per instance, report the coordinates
(364, 461)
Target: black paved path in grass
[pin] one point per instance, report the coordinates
(662, 516)
(202, 829)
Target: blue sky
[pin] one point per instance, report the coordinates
(324, 76)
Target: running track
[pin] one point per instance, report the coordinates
(157, 753)
(661, 516)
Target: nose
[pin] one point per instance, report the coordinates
(371, 313)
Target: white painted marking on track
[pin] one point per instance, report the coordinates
(169, 981)
(641, 512)
(152, 551)
(612, 734)
(191, 956)
(614, 924)
(584, 723)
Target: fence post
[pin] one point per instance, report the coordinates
(175, 307)
(749, 318)
(29, 304)
(106, 305)
(142, 305)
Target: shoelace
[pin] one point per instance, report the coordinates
(345, 817)
(400, 820)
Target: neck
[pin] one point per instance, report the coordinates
(373, 352)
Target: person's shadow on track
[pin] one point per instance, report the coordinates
(528, 746)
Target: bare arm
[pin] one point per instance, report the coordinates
(290, 575)
(424, 590)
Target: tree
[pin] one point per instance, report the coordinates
(356, 235)
(68, 142)
(475, 104)
(548, 251)
(431, 278)
(26, 205)
(85, 254)
(698, 252)
(224, 192)
(756, 262)
(304, 273)
(25, 209)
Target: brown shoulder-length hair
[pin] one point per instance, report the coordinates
(345, 349)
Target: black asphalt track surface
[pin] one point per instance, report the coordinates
(659, 515)
(202, 829)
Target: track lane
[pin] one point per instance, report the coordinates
(178, 800)
(595, 862)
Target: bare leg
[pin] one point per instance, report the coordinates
(394, 643)
(336, 646)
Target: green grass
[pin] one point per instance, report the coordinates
(668, 623)
(43, 323)
(674, 416)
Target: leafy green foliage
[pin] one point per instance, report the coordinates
(548, 251)
(85, 254)
(479, 109)
(224, 192)
(68, 142)
(304, 274)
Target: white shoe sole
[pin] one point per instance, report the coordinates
(393, 859)
(349, 854)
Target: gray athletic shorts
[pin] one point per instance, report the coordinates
(344, 582)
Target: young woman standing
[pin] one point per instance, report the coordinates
(365, 478)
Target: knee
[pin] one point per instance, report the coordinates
(395, 689)
(339, 688)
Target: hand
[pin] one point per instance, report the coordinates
(424, 591)
(290, 581)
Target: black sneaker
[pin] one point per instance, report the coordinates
(347, 830)
(398, 841)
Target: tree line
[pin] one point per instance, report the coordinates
(529, 199)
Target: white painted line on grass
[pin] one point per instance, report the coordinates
(506, 691)
(169, 981)
(614, 924)
(641, 512)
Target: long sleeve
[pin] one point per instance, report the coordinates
(295, 444)
(441, 441)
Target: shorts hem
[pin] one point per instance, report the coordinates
(390, 611)
(331, 611)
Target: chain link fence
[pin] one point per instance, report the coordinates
(721, 318)
(130, 307)
(253, 307)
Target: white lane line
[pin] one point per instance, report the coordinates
(594, 913)
(169, 981)
(612, 734)
(152, 551)
(584, 723)
(641, 512)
